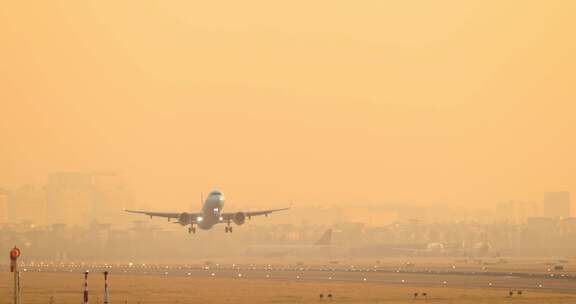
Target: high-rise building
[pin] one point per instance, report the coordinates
(70, 197)
(557, 204)
(78, 198)
(26, 204)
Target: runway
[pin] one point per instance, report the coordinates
(370, 275)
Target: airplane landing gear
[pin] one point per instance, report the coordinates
(228, 228)
(192, 229)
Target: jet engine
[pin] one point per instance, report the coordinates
(239, 218)
(184, 218)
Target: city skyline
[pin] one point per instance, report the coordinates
(84, 198)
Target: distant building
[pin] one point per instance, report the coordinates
(541, 228)
(542, 223)
(111, 196)
(557, 204)
(515, 212)
(26, 204)
(568, 226)
(70, 197)
(79, 198)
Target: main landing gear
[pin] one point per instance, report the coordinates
(228, 227)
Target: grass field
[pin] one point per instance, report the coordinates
(65, 288)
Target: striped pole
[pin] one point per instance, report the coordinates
(85, 288)
(14, 255)
(106, 287)
(16, 287)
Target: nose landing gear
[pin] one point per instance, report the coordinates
(192, 229)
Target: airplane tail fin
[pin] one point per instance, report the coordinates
(326, 238)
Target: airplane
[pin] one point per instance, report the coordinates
(210, 215)
(322, 245)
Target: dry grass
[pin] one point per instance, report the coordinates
(65, 288)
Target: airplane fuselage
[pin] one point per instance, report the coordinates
(211, 211)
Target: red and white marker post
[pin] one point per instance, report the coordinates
(14, 255)
(106, 295)
(85, 288)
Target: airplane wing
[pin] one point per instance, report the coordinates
(169, 215)
(230, 215)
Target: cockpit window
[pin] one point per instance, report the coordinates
(216, 193)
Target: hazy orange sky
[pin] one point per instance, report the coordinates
(469, 102)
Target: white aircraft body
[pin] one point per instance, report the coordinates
(322, 246)
(210, 215)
